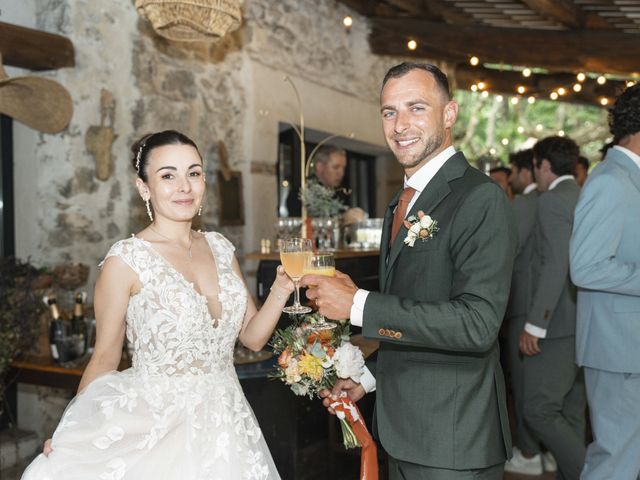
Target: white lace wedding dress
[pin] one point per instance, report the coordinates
(179, 412)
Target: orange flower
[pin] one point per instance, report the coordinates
(283, 359)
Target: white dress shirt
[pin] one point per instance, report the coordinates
(418, 181)
(529, 327)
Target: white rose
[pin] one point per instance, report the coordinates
(410, 239)
(349, 362)
(426, 221)
(415, 228)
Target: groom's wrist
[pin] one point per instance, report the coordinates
(357, 308)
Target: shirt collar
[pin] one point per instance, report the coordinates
(560, 179)
(530, 188)
(634, 156)
(425, 174)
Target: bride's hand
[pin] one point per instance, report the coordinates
(283, 282)
(47, 448)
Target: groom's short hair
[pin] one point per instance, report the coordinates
(624, 116)
(402, 69)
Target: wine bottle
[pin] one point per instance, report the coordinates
(78, 325)
(56, 329)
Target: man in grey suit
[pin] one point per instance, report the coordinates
(605, 265)
(527, 457)
(440, 404)
(554, 398)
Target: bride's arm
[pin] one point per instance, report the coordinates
(115, 284)
(259, 324)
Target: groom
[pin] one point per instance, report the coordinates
(440, 411)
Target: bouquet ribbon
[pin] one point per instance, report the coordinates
(347, 410)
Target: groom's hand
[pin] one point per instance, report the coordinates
(529, 344)
(332, 295)
(354, 390)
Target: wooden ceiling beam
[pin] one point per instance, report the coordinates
(33, 49)
(567, 13)
(537, 85)
(594, 51)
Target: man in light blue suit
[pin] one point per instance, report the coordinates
(605, 265)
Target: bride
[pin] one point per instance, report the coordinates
(180, 299)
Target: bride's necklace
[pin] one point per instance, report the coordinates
(174, 242)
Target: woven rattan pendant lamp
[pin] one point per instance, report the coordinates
(191, 20)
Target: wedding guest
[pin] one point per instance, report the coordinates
(440, 403)
(501, 175)
(605, 265)
(554, 397)
(330, 165)
(582, 170)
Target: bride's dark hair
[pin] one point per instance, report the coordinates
(143, 147)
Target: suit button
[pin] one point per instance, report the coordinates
(381, 332)
(397, 335)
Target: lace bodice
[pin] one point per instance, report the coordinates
(168, 321)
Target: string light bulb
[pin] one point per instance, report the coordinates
(604, 101)
(577, 87)
(539, 127)
(485, 94)
(553, 95)
(482, 85)
(521, 129)
(412, 44)
(601, 80)
(526, 72)
(499, 98)
(515, 100)
(521, 89)
(562, 91)
(474, 61)
(531, 100)
(505, 141)
(630, 83)
(561, 133)
(492, 151)
(474, 88)
(581, 77)
(347, 22)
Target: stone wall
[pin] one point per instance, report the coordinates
(231, 91)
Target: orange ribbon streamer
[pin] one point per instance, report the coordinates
(369, 453)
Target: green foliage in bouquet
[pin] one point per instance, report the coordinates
(321, 201)
(20, 309)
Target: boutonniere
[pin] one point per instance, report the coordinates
(421, 226)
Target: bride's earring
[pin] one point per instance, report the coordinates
(147, 203)
(200, 210)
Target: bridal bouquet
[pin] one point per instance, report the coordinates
(311, 360)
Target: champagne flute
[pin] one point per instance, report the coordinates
(321, 263)
(293, 255)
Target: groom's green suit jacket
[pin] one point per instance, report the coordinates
(440, 389)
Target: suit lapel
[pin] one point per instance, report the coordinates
(627, 164)
(435, 192)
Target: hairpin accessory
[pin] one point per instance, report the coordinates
(138, 156)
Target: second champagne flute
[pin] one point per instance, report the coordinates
(293, 255)
(321, 263)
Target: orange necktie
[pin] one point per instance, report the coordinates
(401, 211)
